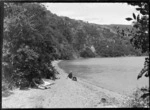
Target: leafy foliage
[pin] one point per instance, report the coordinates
(87, 52)
(136, 101)
(28, 49)
(140, 38)
(140, 31)
(145, 70)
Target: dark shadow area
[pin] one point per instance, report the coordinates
(24, 88)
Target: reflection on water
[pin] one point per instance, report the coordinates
(115, 74)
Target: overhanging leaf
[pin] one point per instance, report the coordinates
(145, 95)
(142, 72)
(129, 19)
(134, 16)
(147, 74)
(138, 9)
(144, 89)
(138, 17)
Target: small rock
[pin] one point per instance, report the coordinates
(103, 100)
(70, 75)
(74, 79)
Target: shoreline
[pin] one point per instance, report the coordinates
(83, 81)
(87, 84)
(64, 93)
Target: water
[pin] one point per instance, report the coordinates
(115, 74)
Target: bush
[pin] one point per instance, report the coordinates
(87, 52)
(136, 101)
(27, 51)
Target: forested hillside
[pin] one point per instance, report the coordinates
(34, 36)
(81, 37)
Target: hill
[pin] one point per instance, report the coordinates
(80, 36)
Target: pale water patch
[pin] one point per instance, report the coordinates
(116, 74)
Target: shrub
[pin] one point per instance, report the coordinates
(87, 52)
(136, 101)
(27, 51)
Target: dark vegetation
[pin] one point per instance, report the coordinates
(140, 40)
(34, 37)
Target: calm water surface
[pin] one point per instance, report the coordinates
(116, 74)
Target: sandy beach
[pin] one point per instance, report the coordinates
(64, 93)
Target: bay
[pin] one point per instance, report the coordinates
(117, 74)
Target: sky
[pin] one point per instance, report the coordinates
(99, 13)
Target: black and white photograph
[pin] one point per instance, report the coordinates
(75, 54)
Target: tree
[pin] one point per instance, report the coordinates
(27, 48)
(140, 30)
(140, 37)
